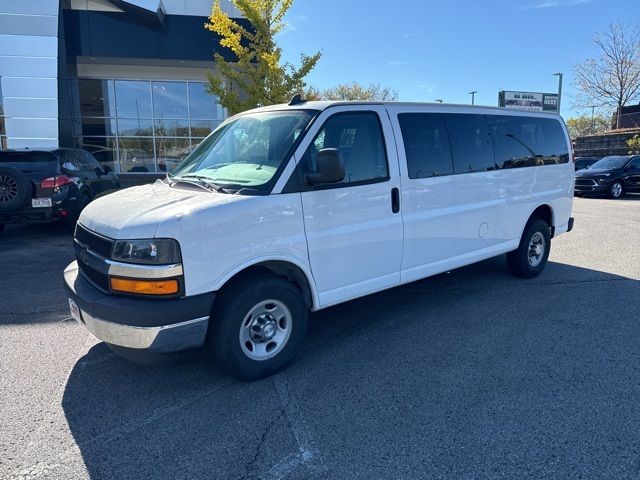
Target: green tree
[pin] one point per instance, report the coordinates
(258, 77)
(634, 145)
(353, 91)
(582, 126)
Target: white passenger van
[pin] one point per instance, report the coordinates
(298, 207)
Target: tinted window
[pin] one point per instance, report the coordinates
(634, 164)
(359, 138)
(89, 160)
(470, 143)
(31, 157)
(426, 144)
(528, 141)
(72, 160)
(97, 98)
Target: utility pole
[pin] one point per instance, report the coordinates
(559, 75)
(473, 97)
(593, 125)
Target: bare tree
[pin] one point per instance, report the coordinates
(612, 79)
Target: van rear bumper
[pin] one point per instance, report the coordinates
(158, 326)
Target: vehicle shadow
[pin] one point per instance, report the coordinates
(190, 421)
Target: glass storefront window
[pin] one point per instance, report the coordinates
(141, 126)
(172, 128)
(202, 128)
(133, 98)
(135, 127)
(202, 104)
(136, 155)
(170, 100)
(103, 148)
(96, 127)
(97, 98)
(171, 151)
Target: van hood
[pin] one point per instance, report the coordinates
(138, 212)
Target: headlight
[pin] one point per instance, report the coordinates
(153, 251)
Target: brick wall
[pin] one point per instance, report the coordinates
(610, 143)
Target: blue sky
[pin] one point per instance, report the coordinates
(427, 50)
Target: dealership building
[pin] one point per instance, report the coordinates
(125, 80)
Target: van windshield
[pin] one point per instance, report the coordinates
(247, 151)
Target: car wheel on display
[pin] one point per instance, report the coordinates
(257, 326)
(530, 258)
(15, 189)
(616, 189)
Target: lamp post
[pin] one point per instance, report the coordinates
(559, 75)
(473, 97)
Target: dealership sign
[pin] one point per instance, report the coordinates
(540, 102)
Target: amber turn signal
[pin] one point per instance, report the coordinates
(145, 287)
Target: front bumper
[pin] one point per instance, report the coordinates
(159, 326)
(589, 185)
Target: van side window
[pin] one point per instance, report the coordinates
(470, 143)
(358, 136)
(426, 144)
(527, 141)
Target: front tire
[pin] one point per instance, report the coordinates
(616, 190)
(258, 325)
(532, 254)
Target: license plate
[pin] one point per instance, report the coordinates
(40, 202)
(75, 311)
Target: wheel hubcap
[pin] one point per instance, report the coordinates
(537, 246)
(265, 330)
(8, 189)
(616, 189)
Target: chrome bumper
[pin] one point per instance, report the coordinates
(165, 339)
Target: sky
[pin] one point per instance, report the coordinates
(427, 50)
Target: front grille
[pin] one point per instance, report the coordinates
(94, 242)
(100, 280)
(585, 183)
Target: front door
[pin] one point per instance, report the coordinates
(354, 228)
(632, 174)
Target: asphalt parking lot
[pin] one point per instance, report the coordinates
(471, 374)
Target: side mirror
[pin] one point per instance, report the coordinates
(107, 169)
(330, 167)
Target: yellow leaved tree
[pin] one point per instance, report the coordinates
(257, 77)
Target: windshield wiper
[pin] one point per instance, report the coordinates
(205, 182)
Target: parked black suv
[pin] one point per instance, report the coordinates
(46, 185)
(613, 176)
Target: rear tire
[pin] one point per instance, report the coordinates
(257, 326)
(530, 258)
(616, 190)
(15, 189)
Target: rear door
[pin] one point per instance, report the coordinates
(353, 228)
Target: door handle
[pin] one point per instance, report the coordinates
(395, 200)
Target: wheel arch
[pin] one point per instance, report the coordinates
(544, 211)
(295, 272)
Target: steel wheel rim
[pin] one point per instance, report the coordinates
(616, 189)
(8, 189)
(265, 330)
(537, 247)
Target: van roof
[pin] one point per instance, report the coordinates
(324, 104)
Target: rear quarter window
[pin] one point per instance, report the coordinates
(521, 141)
